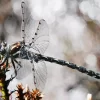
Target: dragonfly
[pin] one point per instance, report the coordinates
(33, 47)
(29, 51)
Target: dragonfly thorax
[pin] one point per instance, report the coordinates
(15, 47)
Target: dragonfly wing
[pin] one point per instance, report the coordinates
(40, 75)
(29, 25)
(37, 34)
(24, 70)
(39, 72)
(41, 38)
(30, 29)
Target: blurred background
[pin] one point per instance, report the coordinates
(74, 27)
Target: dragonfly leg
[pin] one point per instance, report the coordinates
(14, 66)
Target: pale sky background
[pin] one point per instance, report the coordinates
(74, 28)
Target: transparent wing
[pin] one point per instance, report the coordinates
(29, 25)
(35, 32)
(41, 38)
(40, 75)
(39, 72)
(25, 69)
(30, 29)
(37, 35)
